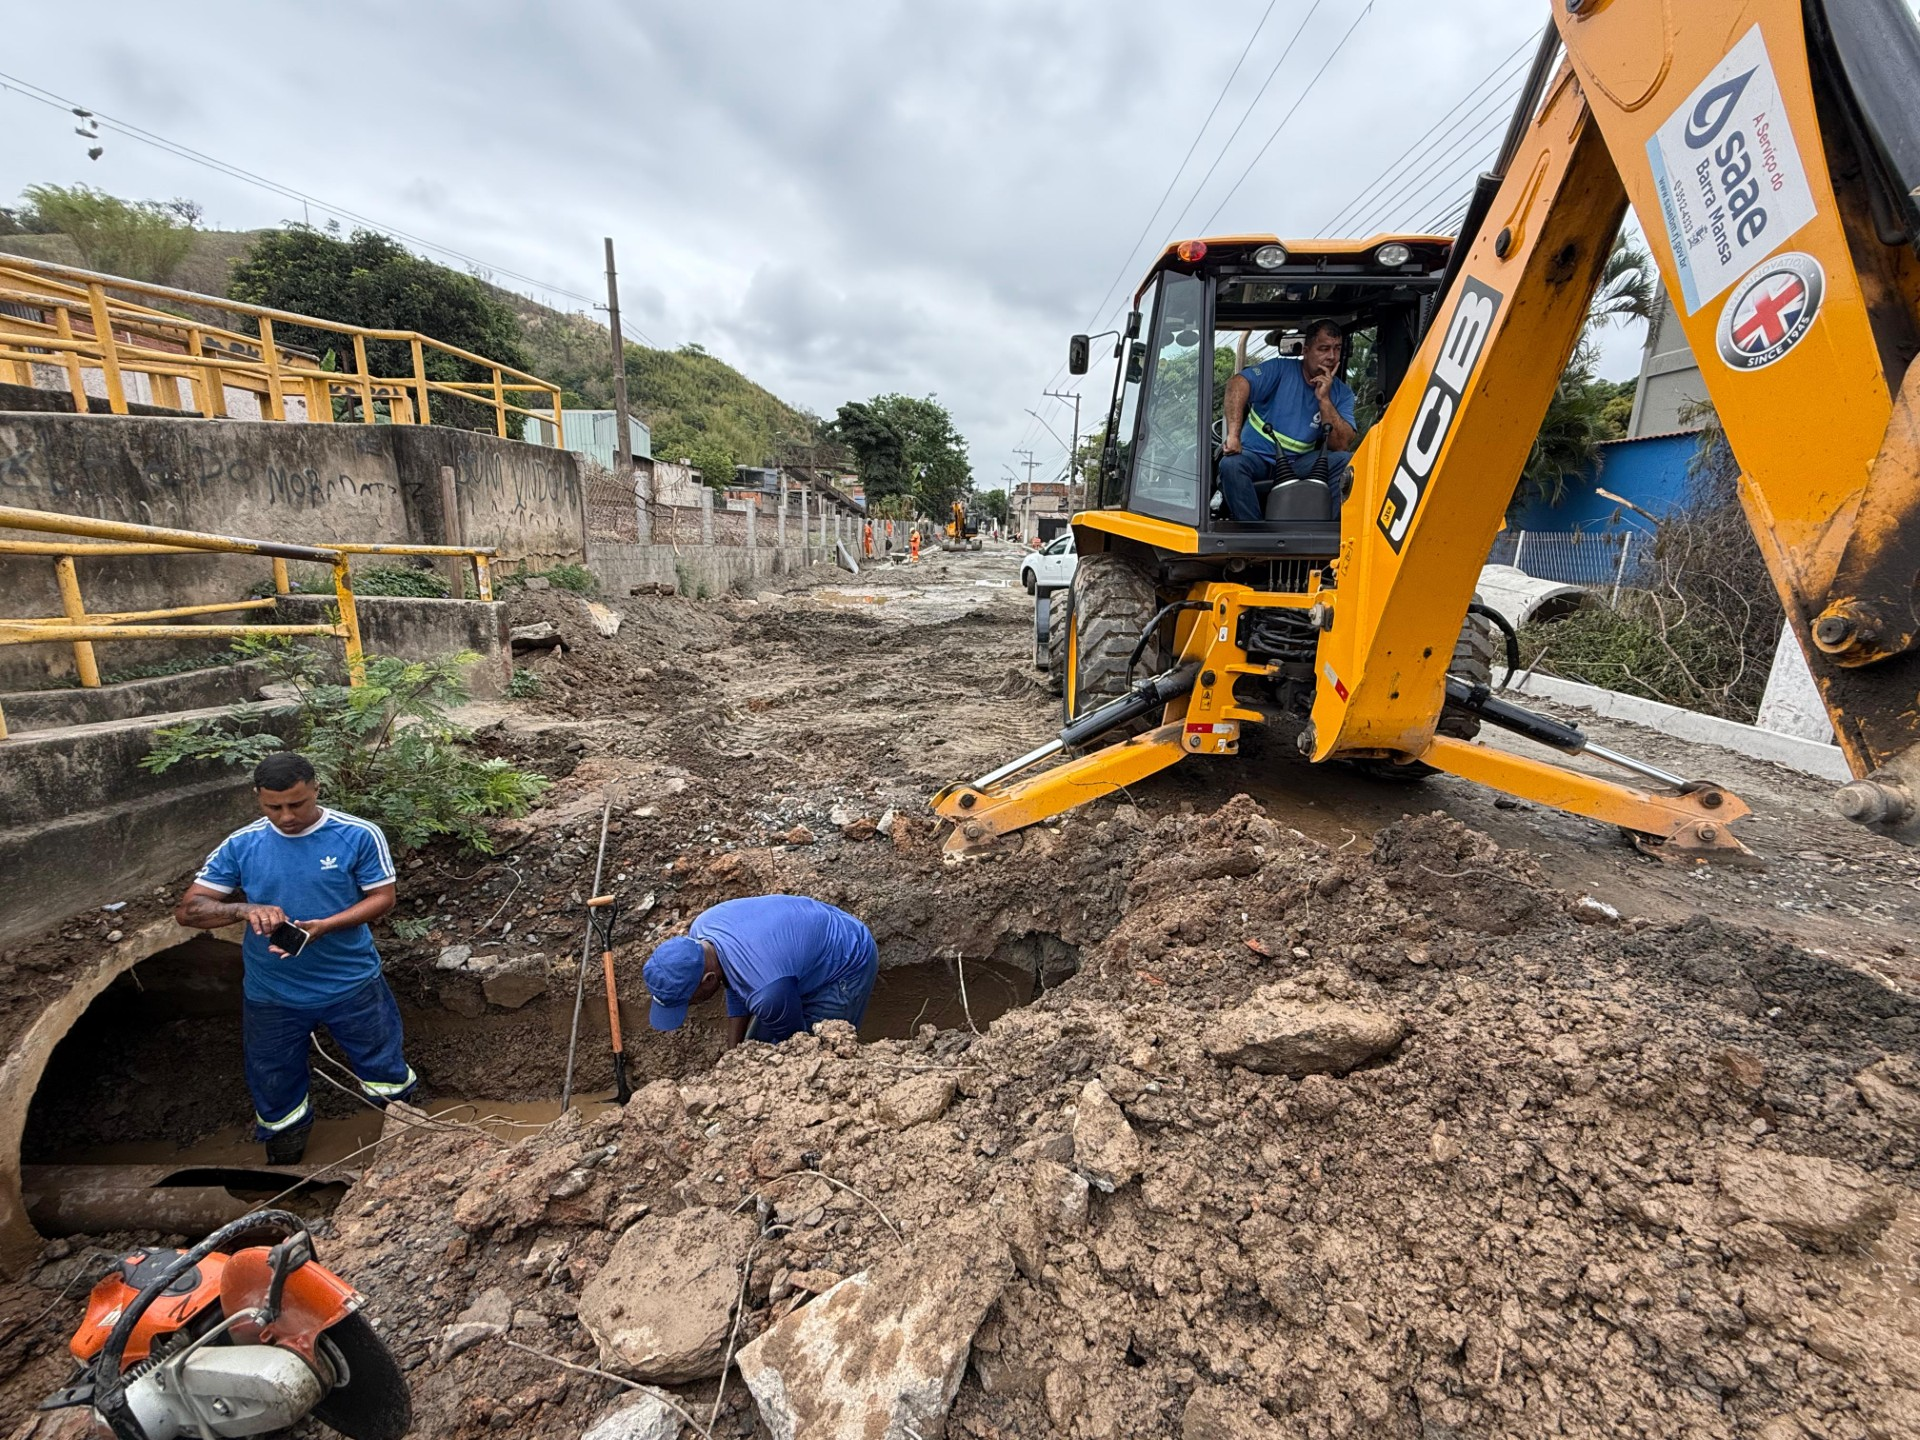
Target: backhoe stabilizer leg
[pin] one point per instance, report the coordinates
(981, 815)
(1692, 823)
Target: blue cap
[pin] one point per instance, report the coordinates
(673, 972)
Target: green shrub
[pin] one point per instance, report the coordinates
(400, 580)
(523, 684)
(384, 750)
(564, 576)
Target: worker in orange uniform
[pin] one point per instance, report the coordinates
(913, 544)
(867, 539)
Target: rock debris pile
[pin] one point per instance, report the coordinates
(1315, 1144)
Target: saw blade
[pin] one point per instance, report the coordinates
(374, 1404)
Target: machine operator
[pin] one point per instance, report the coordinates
(1282, 416)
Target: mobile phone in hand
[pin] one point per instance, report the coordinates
(288, 937)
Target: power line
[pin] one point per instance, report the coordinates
(28, 90)
(1126, 264)
(1407, 156)
(1245, 115)
(1174, 179)
(1491, 112)
(1445, 171)
(1289, 115)
(1100, 310)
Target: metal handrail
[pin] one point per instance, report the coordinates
(82, 629)
(209, 358)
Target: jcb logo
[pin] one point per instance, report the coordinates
(1459, 355)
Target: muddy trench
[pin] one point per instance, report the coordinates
(142, 1121)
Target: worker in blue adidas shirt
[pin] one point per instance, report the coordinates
(330, 874)
(1279, 415)
(786, 962)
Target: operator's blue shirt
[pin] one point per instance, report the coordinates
(777, 951)
(317, 873)
(1278, 389)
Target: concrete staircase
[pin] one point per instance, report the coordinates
(81, 823)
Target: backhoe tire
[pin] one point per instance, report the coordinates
(1056, 640)
(1112, 599)
(1473, 659)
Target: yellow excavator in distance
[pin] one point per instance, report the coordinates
(1771, 149)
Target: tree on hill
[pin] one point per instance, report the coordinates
(997, 506)
(373, 281)
(140, 239)
(903, 445)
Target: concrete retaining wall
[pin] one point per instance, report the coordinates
(424, 630)
(308, 484)
(84, 825)
(691, 569)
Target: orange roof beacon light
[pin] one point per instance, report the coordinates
(1191, 251)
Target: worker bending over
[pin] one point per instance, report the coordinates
(1280, 416)
(787, 963)
(301, 859)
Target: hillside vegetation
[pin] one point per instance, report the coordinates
(697, 406)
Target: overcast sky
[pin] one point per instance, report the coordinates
(839, 199)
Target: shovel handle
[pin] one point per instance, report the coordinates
(613, 1002)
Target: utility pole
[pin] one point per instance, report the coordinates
(1032, 465)
(1073, 452)
(622, 427)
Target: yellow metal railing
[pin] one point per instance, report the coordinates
(90, 539)
(82, 323)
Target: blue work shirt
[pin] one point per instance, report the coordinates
(317, 873)
(1279, 391)
(777, 951)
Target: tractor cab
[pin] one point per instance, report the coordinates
(1211, 308)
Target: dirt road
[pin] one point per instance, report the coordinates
(1650, 1176)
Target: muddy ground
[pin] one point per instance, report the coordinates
(1553, 1208)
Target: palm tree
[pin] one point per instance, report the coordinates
(1627, 286)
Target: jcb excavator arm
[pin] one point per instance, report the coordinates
(1771, 149)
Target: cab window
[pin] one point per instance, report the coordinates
(1166, 452)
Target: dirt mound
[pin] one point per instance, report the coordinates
(1569, 1198)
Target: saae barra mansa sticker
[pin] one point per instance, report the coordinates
(1771, 311)
(1731, 182)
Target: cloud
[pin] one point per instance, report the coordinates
(841, 199)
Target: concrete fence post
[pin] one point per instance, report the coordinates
(753, 528)
(453, 566)
(780, 518)
(824, 503)
(706, 515)
(642, 511)
(805, 539)
(1620, 574)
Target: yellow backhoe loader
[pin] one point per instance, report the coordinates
(1771, 149)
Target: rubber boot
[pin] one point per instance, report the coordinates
(288, 1148)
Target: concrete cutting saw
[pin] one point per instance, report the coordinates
(233, 1337)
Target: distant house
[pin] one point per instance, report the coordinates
(595, 434)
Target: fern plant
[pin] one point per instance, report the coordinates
(386, 750)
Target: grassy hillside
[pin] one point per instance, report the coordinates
(696, 404)
(207, 268)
